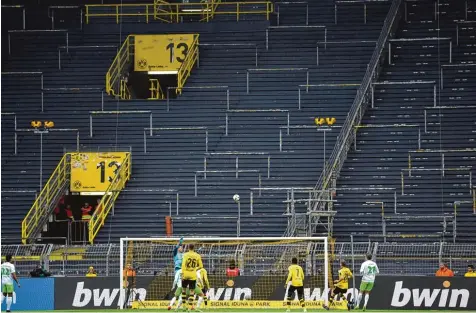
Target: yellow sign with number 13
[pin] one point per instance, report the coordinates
(94, 171)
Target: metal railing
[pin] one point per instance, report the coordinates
(187, 65)
(43, 205)
(405, 259)
(361, 101)
(156, 92)
(107, 201)
(175, 12)
(117, 69)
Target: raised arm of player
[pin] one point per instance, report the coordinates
(180, 243)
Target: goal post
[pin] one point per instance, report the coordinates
(147, 270)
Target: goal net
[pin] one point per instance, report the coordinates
(147, 270)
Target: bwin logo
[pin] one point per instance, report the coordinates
(427, 297)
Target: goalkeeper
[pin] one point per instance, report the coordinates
(204, 285)
(296, 280)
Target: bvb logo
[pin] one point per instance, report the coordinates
(142, 63)
(77, 184)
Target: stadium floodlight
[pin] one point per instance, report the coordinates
(262, 262)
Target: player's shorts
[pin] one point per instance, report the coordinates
(366, 286)
(300, 291)
(189, 283)
(7, 288)
(338, 290)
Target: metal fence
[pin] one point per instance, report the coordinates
(393, 258)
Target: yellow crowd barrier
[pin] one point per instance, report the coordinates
(187, 65)
(116, 70)
(173, 12)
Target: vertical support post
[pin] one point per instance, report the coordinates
(402, 183)
(466, 10)
(457, 34)
(168, 97)
(81, 18)
(299, 98)
(405, 12)
(198, 58)
(307, 14)
(278, 17)
(451, 51)
(228, 99)
(372, 90)
(16, 140)
(196, 191)
(335, 18)
(441, 78)
(288, 123)
(324, 149)
(256, 56)
(247, 82)
(434, 95)
(226, 124)
(307, 80)
(41, 82)
(24, 19)
(269, 165)
(443, 164)
(67, 42)
(292, 201)
(9, 45)
(280, 140)
(52, 19)
(251, 202)
(326, 269)
(145, 142)
(365, 13)
(102, 100)
(90, 125)
(419, 138)
(170, 208)
(424, 116)
(150, 124)
(325, 38)
(267, 34)
(395, 202)
(389, 53)
(353, 263)
(317, 55)
(77, 141)
(238, 222)
(206, 140)
(436, 10)
(471, 181)
(41, 160)
(121, 265)
(59, 58)
(287, 202)
(177, 201)
(259, 183)
(205, 167)
(236, 166)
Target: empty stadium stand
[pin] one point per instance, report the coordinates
(409, 174)
(303, 64)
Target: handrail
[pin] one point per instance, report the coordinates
(107, 201)
(186, 68)
(344, 140)
(115, 71)
(175, 11)
(46, 199)
(125, 94)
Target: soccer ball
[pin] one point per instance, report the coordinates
(236, 197)
(247, 296)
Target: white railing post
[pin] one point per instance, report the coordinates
(251, 202)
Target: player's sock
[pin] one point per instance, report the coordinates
(205, 299)
(190, 301)
(288, 303)
(199, 302)
(179, 303)
(301, 302)
(184, 296)
(2, 297)
(359, 298)
(366, 300)
(172, 301)
(9, 302)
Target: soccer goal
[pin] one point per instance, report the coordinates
(147, 270)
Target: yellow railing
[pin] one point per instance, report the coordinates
(125, 94)
(186, 68)
(172, 12)
(124, 56)
(156, 92)
(46, 200)
(107, 201)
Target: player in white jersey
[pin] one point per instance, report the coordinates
(369, 270)
(8, 272)
(178, 293)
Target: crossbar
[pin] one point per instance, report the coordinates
(91, 113)
(290, 69)
(172, 129)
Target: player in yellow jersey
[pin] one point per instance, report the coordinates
(204, 285)
(192, 261)
(295, 282)
(341, 285)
